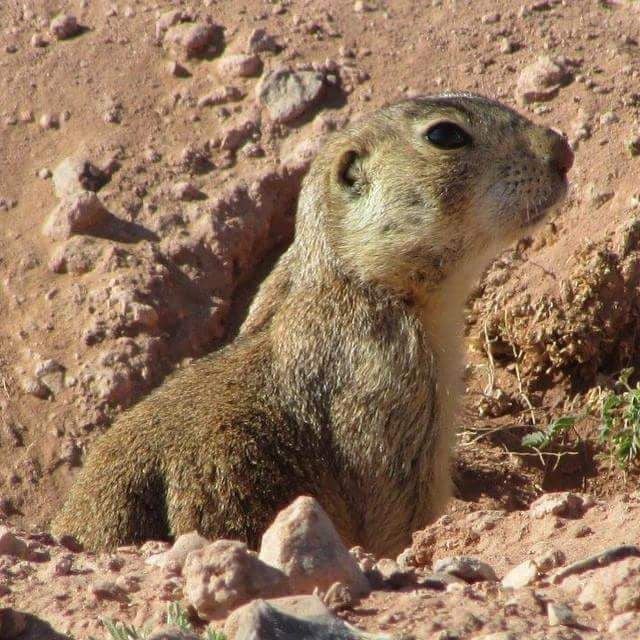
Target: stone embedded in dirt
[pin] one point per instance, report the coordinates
(64, 26)
(261, 42)
(49, 121)
(225, 574)
(293, 618)
(186, 191)
(235, 136)
(107, 590)
(51, 374)
(221, 95)
(438, 581)
(564, 504)
(178, 70)
(303, 543)
(288, 94)
(240, 65)
(12, 623)
(10, 545)
(75, 174)
(552, 559)
(390, 575)
(338, 597)
(182, 547)
(172, 633)
(467, 568)
(522, 575)
(628, 622)
(78, 255)
(166, 20)
(79, 213)
(596, 195)
(560, 614)
(195, 39)
(541, 80)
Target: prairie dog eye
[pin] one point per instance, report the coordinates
(447, 135)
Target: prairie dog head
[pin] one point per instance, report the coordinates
(432, 185)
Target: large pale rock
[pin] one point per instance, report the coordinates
(295, 618)
(79, 213)
(303, 543)
(240, 65)
(288, 94)
(224, 575)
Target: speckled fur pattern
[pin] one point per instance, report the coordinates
(343, 381)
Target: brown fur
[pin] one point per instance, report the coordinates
(343, 380)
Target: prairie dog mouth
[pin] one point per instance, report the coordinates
(539, 210)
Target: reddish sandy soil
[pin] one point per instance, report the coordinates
(115, 100)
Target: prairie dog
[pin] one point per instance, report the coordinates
(343, 380)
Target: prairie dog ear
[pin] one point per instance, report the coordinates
(351, 172)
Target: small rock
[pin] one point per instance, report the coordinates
(541, 80)
(79, 213)
(64, 26)
(76, 174)
(38, 41)
(49, 121)
(177, 70)
(240, 66)
(288, 94)
(338, 597)
(196, 39)
(628, 622)
(490, 18)
(294, 618)
(303, 543)
(107, 590)
(392, 576)
(51, 374)
(182, 547)
(261, 42)
(220, 96)
(467, 568)
(234, 137)
(167, 20)
(186, 191)
(10, 545)
(560, 614)
(521, 575)
(224, 575)
(609, 117)
(564, 504)
(597, 196)
(633, 146)
(172, 633)
(550, 560)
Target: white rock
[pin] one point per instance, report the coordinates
(521, 575)
(224, 575)
(303, 543)
(541, 80)
(240, 66)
